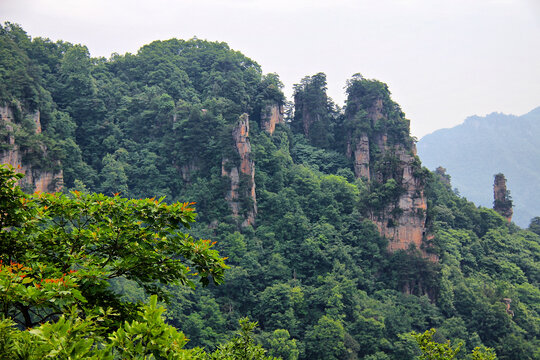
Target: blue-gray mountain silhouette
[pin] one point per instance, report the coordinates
(483, 146)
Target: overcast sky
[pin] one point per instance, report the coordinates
(442, 59)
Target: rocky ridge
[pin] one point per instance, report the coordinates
(35, 179)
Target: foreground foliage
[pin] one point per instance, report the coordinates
(432, 350)
(59, 250)
(148, 337)
(58, 254)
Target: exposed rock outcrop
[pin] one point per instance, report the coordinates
(358, 148)
(502, 203)
(35, 179)
(361, 157)
(402, 218)
(271, 115)
(241, 195)
(507, 302)
(403, 222)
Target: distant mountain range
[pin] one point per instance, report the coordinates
(483, 146)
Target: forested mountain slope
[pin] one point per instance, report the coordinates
(483, 146)
(339, 243)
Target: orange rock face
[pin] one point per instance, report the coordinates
(501, 199)
(271, 115)
(245, 169)
(407, 226)
(35, 180)
(403, 221)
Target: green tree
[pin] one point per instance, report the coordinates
(534, 226)
(113, 176)
(241, 346)
(314, 111)
(282, 346)
(17, 70)
(82, 241)
(432, 350)
(326, 340)
(76, 337)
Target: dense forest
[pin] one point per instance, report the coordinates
(305, 199)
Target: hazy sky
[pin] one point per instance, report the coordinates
(442, 59)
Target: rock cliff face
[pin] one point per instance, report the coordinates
(271, 115)
(403, 222)
(34, 179)
(241, 195)
(360, 154)
(402, 219)
(501, 198)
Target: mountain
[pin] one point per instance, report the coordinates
(339, 243)
(481, 147)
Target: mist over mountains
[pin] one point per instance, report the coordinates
(483, 146)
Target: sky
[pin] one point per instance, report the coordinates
(443, 60)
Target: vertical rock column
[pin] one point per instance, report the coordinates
(408, 225)
(358, 148)
(241, 195)
(402, 221)
(501, 198)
